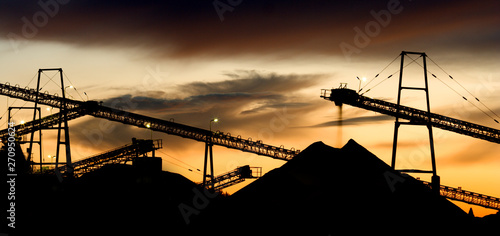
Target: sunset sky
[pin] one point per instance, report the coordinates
(259, 67)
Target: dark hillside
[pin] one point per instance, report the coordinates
(114, 200)
(324, 190)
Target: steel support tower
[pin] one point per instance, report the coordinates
(62, 124)
(398, 123)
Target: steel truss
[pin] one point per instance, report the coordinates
(122, 155)
(233, 177)
(95, 109)
(467, 196)
(414, 116)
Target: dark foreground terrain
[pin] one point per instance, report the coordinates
(322, 191)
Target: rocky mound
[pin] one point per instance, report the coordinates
(322, 191)
(326, 191)
(114, 200)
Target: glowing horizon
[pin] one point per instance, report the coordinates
(260, 69)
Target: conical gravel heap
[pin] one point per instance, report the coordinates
(325, 190)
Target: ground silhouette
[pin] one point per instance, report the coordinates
(327, 191)
(322, 191)
(114, 200)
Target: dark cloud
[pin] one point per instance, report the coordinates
(355, 121)
(251, 81)
(264, 90)
(248, 100)
(187, 28)
(194, 103)
(271, 106)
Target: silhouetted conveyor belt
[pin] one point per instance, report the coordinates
(44, 123)
(414, 116)
(118, 155)
(467, 196)
(94, 109)
(233, 177)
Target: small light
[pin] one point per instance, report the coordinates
(22, 122)
(216, 120)
(148, 125)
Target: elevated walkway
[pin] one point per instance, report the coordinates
(458, 194)
(233, 177)
(122, 154)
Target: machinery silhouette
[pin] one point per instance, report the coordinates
(343, 95)
(123, 154)
(233, 177)
(72, 109)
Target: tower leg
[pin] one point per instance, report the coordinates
(397, 124)
(436, 184)
(205, 165)
(209, 160)
(211, 166)
(32, 135)
(395, 145)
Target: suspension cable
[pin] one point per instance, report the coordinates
(372, 79)
(390, 76)
(71, 83)
(459, 94)
(50, 79)
(477, 99)
(464, 98)
(180, 162)
(175, 164)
